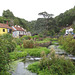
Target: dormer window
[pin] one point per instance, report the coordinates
(3, 30)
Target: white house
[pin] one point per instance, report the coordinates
(18, 31)
(69, 31)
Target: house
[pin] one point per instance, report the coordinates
(28, 33)
(18, 31)
(4, 29)
(69, 31)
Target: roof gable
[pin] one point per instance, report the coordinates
(18, 28)
(2, 25)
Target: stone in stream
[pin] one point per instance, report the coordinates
(57, 50)
(72, 58)
(35, 58)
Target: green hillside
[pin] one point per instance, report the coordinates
(47, 25)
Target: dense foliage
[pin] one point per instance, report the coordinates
(68, 44)
(51, 26)
(52, 65)
(16, 55)
(37, 51)
(6, 46)
(8, 16)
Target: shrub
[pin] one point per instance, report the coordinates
(53, 65)
(62, 32)
(7, 37)
(4, 73)
(68, 44)
(26, 37)
(10, 46)
(28, 44)
(4, 56)
(34, 68)
(18, 41)
(40, 35)
(6, 45)
(36, 36)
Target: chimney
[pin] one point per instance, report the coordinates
(7, 22)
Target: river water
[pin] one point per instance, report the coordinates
(61, 52)
(21, 68)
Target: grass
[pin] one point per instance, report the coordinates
(22, 52)
(37, 51)
(60, 47)
(53, 42)
(13, 65)
(16, 55)
(44, 40)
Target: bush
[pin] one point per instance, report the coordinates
(11, 46)
(41, 35)
(4, 56)
(28, 44)
(26, 37)
(4, 73)
(62, 32)
(18, 41)
(53, 65)
(34, 68)
(6, 45)
(36, 36)
(68, 44)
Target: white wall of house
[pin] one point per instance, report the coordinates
(69, 31)
(16, 34)
(21, 32)
(24, 33)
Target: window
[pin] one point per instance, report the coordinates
(3, 30)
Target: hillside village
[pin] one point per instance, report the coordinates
(16, 31)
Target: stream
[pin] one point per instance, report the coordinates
(21, 66)
(61, 51)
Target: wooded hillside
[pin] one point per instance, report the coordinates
(46, 25)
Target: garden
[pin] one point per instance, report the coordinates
(12, 49)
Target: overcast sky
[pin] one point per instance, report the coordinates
(29, 9)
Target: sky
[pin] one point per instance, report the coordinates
(29, 9)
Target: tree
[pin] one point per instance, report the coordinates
(47, 22)
(3, 20)
(45, 14)
(8, 14)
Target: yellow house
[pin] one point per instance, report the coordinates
(4, 29)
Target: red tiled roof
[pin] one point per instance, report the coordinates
(18, 28)
(2, 25)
